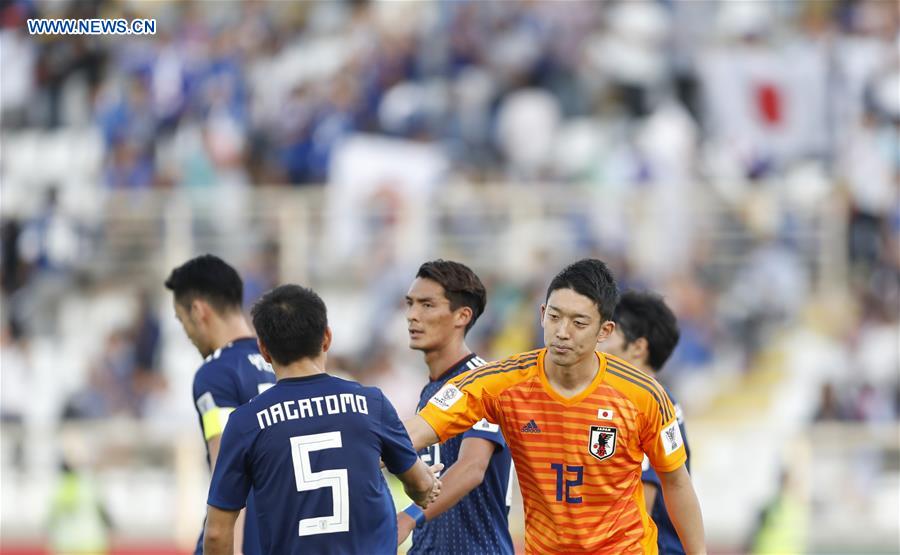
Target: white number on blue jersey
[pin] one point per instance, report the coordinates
(307, 480)
(433, 455)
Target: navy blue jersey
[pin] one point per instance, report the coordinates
(229, 378)
(667, 540)
(310, 448)
(479, 522)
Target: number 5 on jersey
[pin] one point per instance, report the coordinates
(307, 480)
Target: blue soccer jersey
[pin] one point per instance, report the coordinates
(667, 540)
(479, 522)
(229, 378)
(310, 449)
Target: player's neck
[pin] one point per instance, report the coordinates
(229, 328)
(301, 368)
(646, 369)
(440, 360)
(569, 381)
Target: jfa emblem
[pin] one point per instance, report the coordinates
(602, 444)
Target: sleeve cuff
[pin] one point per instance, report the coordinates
(219, 504)
(442, 437)
(671, 466)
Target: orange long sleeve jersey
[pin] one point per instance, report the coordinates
(578, 459)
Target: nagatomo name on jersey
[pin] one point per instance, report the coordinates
(310, 448)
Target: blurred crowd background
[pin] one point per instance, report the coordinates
(740, 157)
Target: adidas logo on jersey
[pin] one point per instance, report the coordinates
(531, 428)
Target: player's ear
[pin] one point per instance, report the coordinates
(463, 316)
(606, 329)
(641, 348)
(263, 351)
(326, 340)
(199, 310)
(543, 310)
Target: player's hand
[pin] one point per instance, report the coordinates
(435, 484)
(405, 526)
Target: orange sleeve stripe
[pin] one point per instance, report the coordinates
(644, 378)
(506, 366)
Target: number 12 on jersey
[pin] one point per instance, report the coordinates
(579, 477)
(307, 480)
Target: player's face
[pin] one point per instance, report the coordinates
(572, 327)
(430, 322)
(192, 328)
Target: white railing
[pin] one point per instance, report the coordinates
(513, 229)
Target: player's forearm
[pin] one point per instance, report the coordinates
(684, 510)
(458, 481)
(417, 483)
(239, 532)
(218, 541)
(420, 432)
(218, 536)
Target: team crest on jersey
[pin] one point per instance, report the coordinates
(446, 397)
(602, 442)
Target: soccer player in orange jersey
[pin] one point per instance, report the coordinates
(578, 425)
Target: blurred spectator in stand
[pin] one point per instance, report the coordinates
(831, 406)
(262, 273)
(14, 270)
(15, 385)
(382, 370)
(145, 337)
(18, 53)
(50, 243)
(110, 389)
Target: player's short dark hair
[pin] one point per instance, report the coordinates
(290, 322)
(461, 285)
(210, 278)
(647, 315)
(589, 277)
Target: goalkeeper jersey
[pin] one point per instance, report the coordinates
(578, 459)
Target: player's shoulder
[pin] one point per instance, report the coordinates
(639, 387)
(527, 359)
(233, 358)
(213, 370)
(265, 398)
(501, 373)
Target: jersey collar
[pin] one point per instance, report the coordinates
(569, 401)
(454, 366)
(303, 379)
